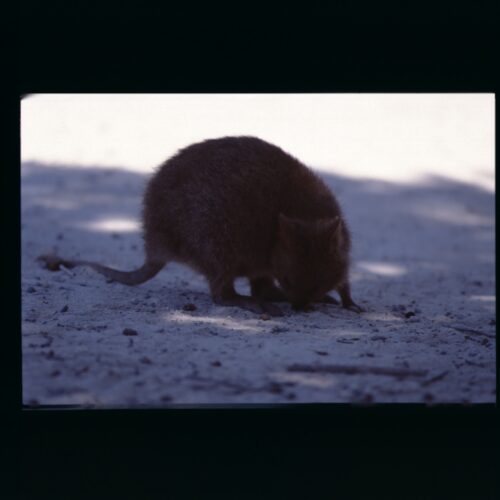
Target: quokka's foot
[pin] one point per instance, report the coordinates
(353, 307)
(250, 304)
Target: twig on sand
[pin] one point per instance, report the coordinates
(357, 370)
(472, 332)
(438, 377)
(66, 270)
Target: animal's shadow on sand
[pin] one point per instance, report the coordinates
(404, 237)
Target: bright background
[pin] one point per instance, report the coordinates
(394, 137)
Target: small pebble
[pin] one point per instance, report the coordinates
(409, 314)
(189, 307)
(275, 389)
(129, 331)
(428, 397)
(64, 309)
(279, 329)
(367, 398)
(31, 289)
(321, 353)
(216, 363)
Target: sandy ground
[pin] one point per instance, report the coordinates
(423, 268)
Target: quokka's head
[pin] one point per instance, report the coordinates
(310, 258)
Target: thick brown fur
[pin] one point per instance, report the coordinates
(239, 206)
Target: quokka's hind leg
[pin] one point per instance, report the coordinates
(224, 294)
(147, 271)
(347, 302)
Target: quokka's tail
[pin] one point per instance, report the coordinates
(147, 271)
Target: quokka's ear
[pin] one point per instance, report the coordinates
(330, 226)
(333, 227)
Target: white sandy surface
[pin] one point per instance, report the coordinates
(415, 177)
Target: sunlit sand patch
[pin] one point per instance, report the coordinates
(309, 379)
(228, 323)
(118, 225)
(381, 316)
(454, 214)
(382, 268)
(484, 298)
(57, 203)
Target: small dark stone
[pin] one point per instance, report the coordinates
(279, 329)
(31, 289)
(129, 331)
(189, 307)
(428, 397)
(368, 398)
(399, 307)
(409, 314)
(492, 322)
(321, 353)
(64, 309)
(275, 389)
(478, 283)
(55, 373)
(85, 369)
(216, 363)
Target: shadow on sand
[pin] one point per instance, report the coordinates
(403, 235)
(421, 252)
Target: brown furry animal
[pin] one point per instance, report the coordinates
(239, 206)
